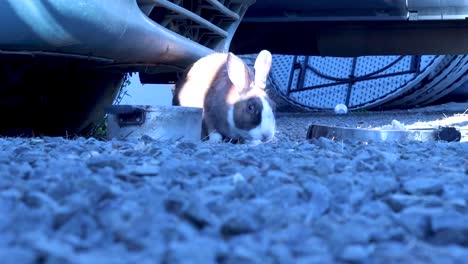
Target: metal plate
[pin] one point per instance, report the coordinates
(159, 122)
(379, 135)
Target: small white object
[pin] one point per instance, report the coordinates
(237, 178)
(395, 125)
(341, 109)
(215, 137)
(398, 125)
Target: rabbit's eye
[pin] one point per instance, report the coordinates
(251, 108)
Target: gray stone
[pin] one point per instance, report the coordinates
(391, 232)
(388, 157)
(286, 195)
(273, 216)
(416, 220)
(36, 199)
(423, 185)
(242, 252)
(197, 250)
(249, 172)
(449, 227)
(175, 170)
(248, 159)
(398, 201)
(383, 185)
(294, 235)
(281, 254)
(20, 169)
(216, 190)
(340, 187)
(74, 149)
(306, 146)
(359, 196)
(97, 191)
(21, 149)
(376, 216)
(354, 231)
(242, 190)
(203, 154)
(101, 161)
(18, 255)
(198, 214)
(365, 165)
(356, 253)
(118, 255)
(327, 259)
(323, 143)
(310, 246)
(323, 168)
(457, 252)
(382, 226)
(319, 200)
(186, 145)
(405, 168)
(374, 209)
(51, 247)
(458, 203)
(280, 176)
(391, 252)
(80, 229)
(301, 169)
(176, 201)
(341, 165)
(237, 224)
(145, 170)
(5, 157)
(276, 163)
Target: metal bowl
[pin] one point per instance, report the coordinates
(379, 135)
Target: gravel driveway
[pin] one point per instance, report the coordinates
(289, 201)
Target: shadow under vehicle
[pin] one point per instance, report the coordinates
(63, 61)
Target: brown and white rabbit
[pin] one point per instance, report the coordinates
(235, 104)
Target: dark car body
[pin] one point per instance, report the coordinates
(165, 36)
(355, 28)
(132, 35)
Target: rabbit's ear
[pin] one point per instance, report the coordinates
(262, 68)
(237, 72)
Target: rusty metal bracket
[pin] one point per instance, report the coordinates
(127, 115)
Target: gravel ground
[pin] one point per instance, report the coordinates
(289, 201)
